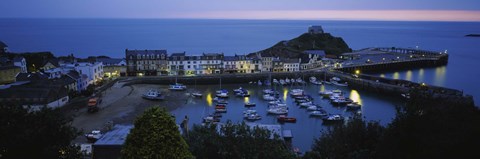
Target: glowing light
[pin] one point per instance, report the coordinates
(396, 75)
(408, 75)
(246, 99)
(285, 94)
(357, 72)
(355, 96)
(209, 99)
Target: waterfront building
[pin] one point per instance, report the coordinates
(82, 81)
(3, 47)
(8, 74)
(314, 59)
(113, 67)
(212, 63)
(229, 64)
(192, 65)
(20, 62)
(315, 29)
(175, 64)
(146, 62)
(93, 71)
(243, 64)
(291, 65)
(277, 65)
(267, 62)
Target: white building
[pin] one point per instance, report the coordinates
(20, 62)
(291, 65)
(93, 71)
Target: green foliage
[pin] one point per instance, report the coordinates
(432, 129)
(235, 141)
(155, 135)
(423, 128)
(356, 139)
(294, 48)
(34, 59)
(41, 134)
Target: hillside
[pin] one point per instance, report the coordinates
(294, 48)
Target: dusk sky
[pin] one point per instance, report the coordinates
(411, 10)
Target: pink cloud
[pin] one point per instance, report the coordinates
(391, 15)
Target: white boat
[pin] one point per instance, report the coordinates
(177, 87)
(300, 81)
(153, 95)
(282, 82)
(238, 90)
(312, 108)
(287, 81)
(268, 91)
(353, 106)
(277, 111)
(275, 81)
(196, 94)
(249, 104)
(319, 113)
(335, 79)
(312, 79)
(340, 84)
(259, 82)
(268, 97)
(222, 95)
(252, 117)
(249, 111)
(305, 104)
(333, 118)
(296, 92)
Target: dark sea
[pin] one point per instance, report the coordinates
(93, 37)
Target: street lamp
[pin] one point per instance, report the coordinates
(357, 72)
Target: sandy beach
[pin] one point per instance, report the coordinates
(121, 105)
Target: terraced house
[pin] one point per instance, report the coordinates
(146, 62)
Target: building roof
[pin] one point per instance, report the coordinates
(110, 61)
(290, 60)
(2, 44)
(53, 61)
(42, 92)
(117, 136)
(315, 52)
(31, 76)
(73, 74)
(229, 58)
(178, 54)
(144, 52)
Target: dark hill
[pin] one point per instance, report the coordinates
(294, 48)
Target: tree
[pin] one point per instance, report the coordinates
(427, 128)
(41, 134)
(356, 139)
(155, 135)
(236, 141)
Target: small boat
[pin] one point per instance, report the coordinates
(333, 118)
(211, 119)
(327, 82)
(267, 83)
(287, 81)
(296, 92)
(342, 101)
(221, 110)
(94, 135)
(252, 117)
(222, 101)
(196, 94)
(153, 95)
(335, 79)
(354, 106)
(276, 82)
(283, 118)
(313, 108)
(249, 104)
(312, 79)
(222, 95)
(249, 111)
(282, 82)
(319, 113)
(268, 97)
(305, 104)
(259, 82)
(406, 95)
(340, 84)
(220, 106)
(277, 111)
(300, 81)
(177, 87)
(238, 90)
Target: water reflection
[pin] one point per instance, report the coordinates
(396, 75)
(322, 88)
(355, 96)
(246, 100)
(382, 75)
(420, 75)
(209, 99)
(285, 93)
(408, 75)
(440, 74)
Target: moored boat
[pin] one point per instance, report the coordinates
(277, 111)
(177, 87)
(153, 95)
(319, 113)
(196, 94)
(94, 135)
(249, 104)
(333, 118)
(283, 118)
(353, 106)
